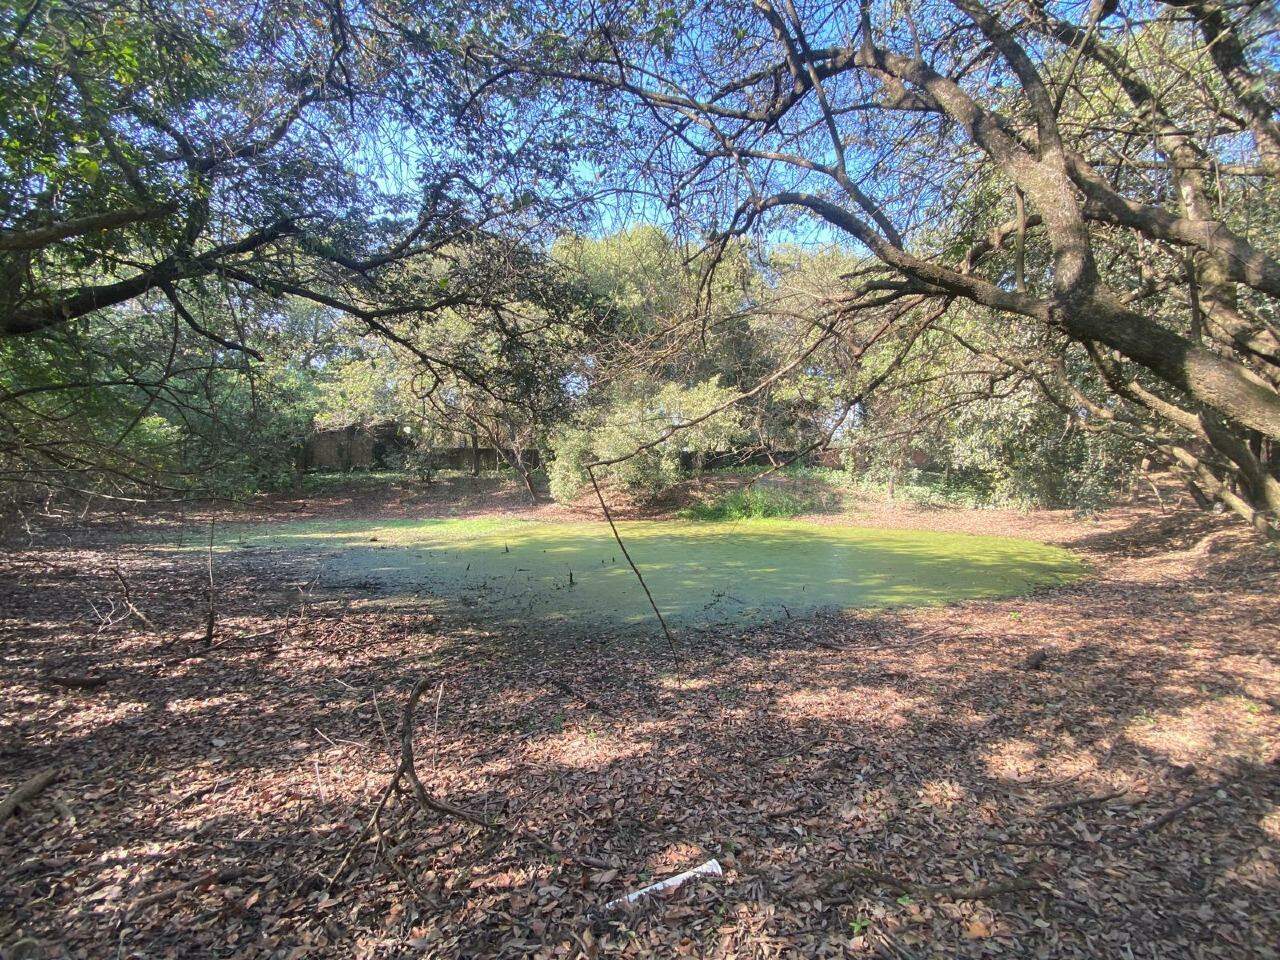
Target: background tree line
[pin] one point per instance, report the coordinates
(1036, 241)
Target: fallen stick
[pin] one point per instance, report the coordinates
(407, 770)
(709, 869)
(210, 624)
(604, 508)
(211, 876)
(881, 643)
(1168, 817)
(410, 770)
(838, 648)
(804, 748)
(77, 682)
(25, 791)
(1193, 801)
(1055, 844)
(223, 644)
(128, 601)
(195, 794)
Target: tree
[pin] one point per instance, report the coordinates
(619, 432)
(1090, 172)
(669, 348)
(529, 350)
(165, 163)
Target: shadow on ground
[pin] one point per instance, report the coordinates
(207, 796)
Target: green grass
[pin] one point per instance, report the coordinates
(572, 575)
(337, 481)
(753, 503)
(929, 490)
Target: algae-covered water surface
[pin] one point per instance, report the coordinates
(574, 575)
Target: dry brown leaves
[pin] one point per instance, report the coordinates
(854, 774)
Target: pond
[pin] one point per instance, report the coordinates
(573, 576)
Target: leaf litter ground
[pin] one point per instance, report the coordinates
(1105, 752)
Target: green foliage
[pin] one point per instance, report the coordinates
(761, 502)
(638, 271)
(645, 426)
(950, 432)
(361, 389)
(168, 171)
(417, 463)
(567, 473)
(232, 157)
(925, 488)
(1029, 453)
(327, 484)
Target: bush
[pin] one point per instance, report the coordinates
(621, 427)
(419, 464)
(925, 488)
(567, 473)
(752, 503)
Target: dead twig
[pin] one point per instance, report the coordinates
(795, 751)
(1195, 800)
(211, 876)
(237, 642)
(192, 795)
(881, 643)
(128, 601)
(211, 618)
(407, 770)
(71, 682)
(25, 791)
(372, 825)
(1055, 844)
(435, 729)
(604, 507)
(579, 695)
(838, 648)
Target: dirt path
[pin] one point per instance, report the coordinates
(844, 770)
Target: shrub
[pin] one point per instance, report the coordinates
(420, 464)
(567, 473)
(752, 503)
(619, 428)
(969, 489)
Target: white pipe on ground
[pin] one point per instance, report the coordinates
(709, 869)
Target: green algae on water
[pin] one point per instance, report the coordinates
(574, 576)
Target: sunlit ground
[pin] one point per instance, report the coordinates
(574, 574)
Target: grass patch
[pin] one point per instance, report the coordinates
(753, 503)
(932, 489)
(335, 482)
(352, 481)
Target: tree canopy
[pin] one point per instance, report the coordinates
(849, 222)
(1095, 171)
